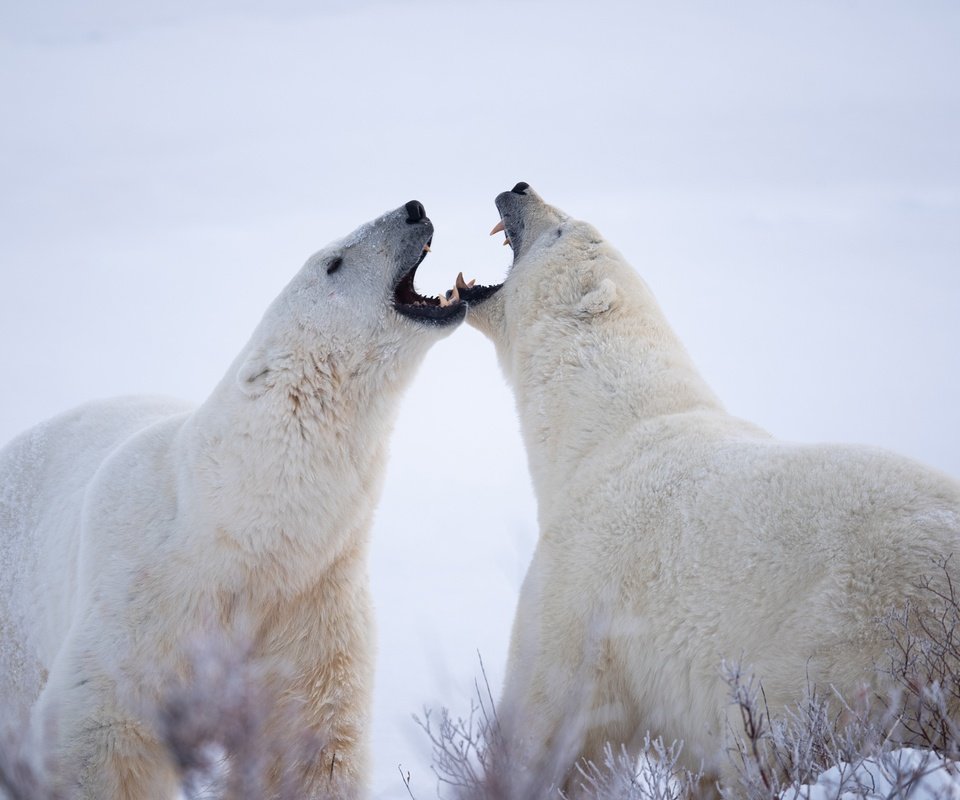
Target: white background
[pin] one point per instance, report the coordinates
(786, 176)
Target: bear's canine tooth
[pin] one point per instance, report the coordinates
(506, 242)
(462, 284)
(497, 228)
(450, 297)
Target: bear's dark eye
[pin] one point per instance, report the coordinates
(334, 265)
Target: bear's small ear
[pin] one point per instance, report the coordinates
(600, 299)
(255, 374)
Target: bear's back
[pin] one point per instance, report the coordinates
(44, 474)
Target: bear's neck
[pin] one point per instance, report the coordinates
(590, 384)
(288, 482)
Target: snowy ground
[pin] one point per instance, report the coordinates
(903, 774)
(785, 176)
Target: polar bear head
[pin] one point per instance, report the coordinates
(580, 338)
(563, 274)
(351, 314)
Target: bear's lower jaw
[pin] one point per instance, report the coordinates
(408, 302)
(477, 294)
(431, 312)
(469, 292)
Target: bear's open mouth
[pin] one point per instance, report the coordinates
(440, 310)
(511, 224)
(470, 292)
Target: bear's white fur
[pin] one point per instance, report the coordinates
(674, 536)
(133, 529)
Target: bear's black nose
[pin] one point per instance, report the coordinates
(415, 211)
(521, 188)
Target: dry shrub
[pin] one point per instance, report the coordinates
(861, 744)
(854, 745)
(655, 775)
(474, 759)
(211, 721)
(924, 666)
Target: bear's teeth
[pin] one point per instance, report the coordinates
(426, 248)
(462, 284)
(497, 228)
(506, 242)
(450, 297)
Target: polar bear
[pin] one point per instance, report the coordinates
(674, 536)
(133, 526)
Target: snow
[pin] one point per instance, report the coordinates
(785, 176)
(905, 774)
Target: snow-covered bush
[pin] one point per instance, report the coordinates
(834, 747)
(825, 750)
(898, 744)
(925, 668)
(211, 721)
(473, 760)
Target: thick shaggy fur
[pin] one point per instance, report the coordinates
(673, 535)
(133, 530)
